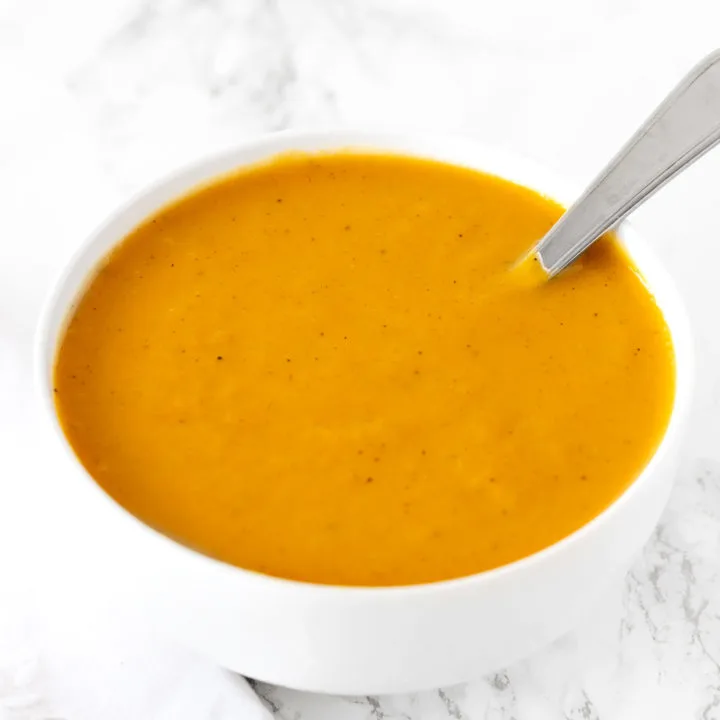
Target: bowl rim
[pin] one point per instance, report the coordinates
(439, 146)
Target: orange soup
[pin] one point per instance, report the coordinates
(325, 368)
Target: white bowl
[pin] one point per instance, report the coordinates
(371, 640)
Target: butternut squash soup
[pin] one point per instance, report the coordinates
(326, 368)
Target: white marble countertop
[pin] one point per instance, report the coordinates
(100, 98)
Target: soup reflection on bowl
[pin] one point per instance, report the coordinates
(327, 366)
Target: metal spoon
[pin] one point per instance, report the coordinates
(685, 126)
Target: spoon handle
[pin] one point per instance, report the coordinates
(685, 126)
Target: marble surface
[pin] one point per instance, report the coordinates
(100, 98)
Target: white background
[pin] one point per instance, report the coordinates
(98, 98)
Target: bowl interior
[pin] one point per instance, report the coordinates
(464, 152)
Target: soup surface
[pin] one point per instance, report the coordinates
(325, 368)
